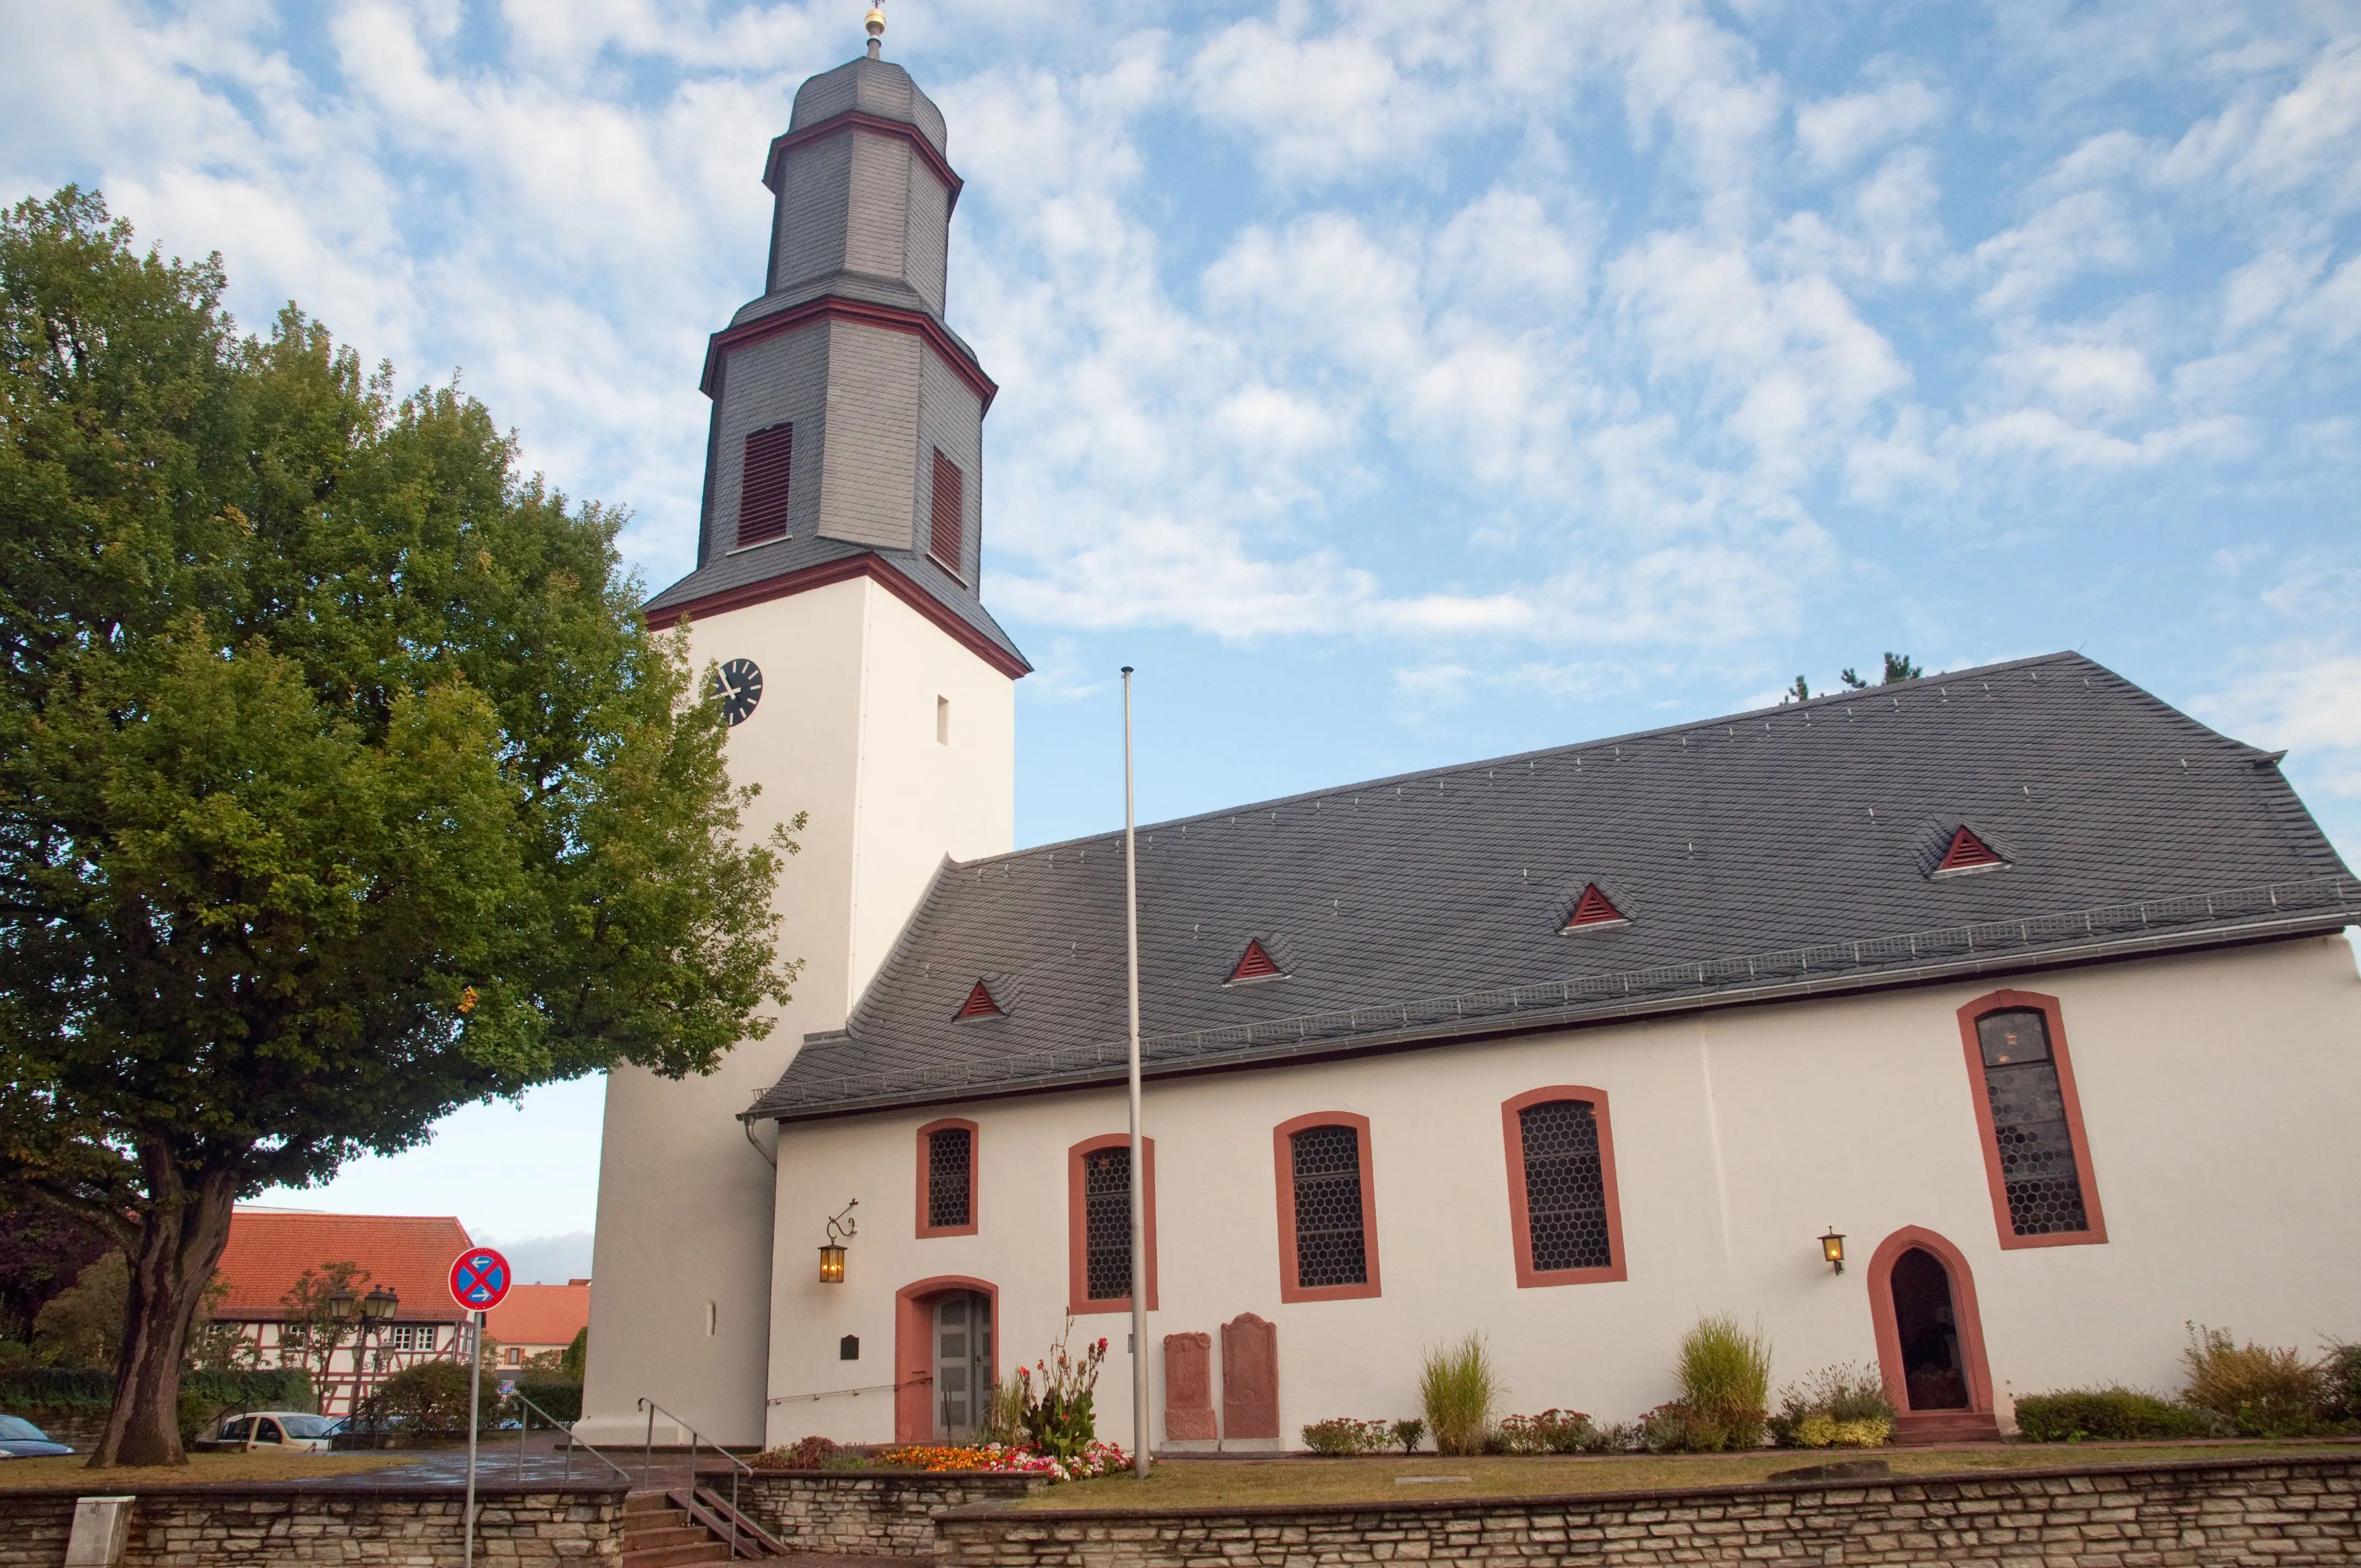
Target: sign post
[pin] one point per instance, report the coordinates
(480, 1278)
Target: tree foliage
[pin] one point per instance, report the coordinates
(341, 782)
(42, 1252)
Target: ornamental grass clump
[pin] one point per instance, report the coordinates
(1836, 1406)
(1458, 1387)
(1725, 1373)
(2262, 1390)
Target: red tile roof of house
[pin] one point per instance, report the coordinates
(269, 1249)
(541, 1314)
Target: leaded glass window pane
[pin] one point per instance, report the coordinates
(1330, 1246)
(947, 1198)
(1565, 1189)
(2029, 1112)
(1106, 1223)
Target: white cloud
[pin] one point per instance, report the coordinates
(1837, 133)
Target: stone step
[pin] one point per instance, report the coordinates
(638, 1503)
(706, 1551)
(637, 1537)
(1919, 1428)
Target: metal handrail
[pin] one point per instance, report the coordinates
(572, 1443)
(695, 1439)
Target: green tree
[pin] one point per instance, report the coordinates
(1898, 668)
(311, 1328)
(341, 782)
(575, 1359)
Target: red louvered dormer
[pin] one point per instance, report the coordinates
(1256, 964)
(1593, 909)
(979, 1003)
(1968, 853)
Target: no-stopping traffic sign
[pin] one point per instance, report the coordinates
(479, 1279)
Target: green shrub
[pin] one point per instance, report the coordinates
(2341, 1375)
(1839, 1407)
(2261, 1390)
(560, 1400)
(60, 1388)
(1407, 1434)
(260, 1388)
(429, 1397)
(804, 1453)
(1725, 1374)
(1457, 1387)
(2108, 1415)
(1552, 1431)
(1341, 1435)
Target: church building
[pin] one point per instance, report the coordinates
(2015, 991)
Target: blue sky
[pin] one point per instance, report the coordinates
(1393, 383)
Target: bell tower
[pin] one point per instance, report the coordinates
(838, 595)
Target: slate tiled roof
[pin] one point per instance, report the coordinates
(1782, 852)
(269, 1249)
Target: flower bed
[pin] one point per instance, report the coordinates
(1095, 1459)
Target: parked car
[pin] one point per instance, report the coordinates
(20, 1438)
(286, 1432)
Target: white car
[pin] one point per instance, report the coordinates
(275, 1432)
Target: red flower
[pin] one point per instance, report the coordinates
(1103, 1343)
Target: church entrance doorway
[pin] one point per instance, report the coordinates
(1930, 1339)
(962, 1365)
(944, 1330)
(1934, 1377)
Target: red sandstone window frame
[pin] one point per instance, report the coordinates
(1078, 1240)
(1512, 1140)
(926, 1170)
(1988, 1140)
(1283, 1163)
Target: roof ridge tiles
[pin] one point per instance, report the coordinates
(1576, 749)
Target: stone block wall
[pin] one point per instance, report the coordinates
(286, 1525)
(2292, 1513)
(866, 1513)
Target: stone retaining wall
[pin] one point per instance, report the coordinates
(2285, 1512)
(866, 1513)
(280, 1525)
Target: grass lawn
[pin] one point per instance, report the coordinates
(1212, 1483)
(200, 1469)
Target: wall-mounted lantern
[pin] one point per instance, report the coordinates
(1832, 1248)
(841, 1230)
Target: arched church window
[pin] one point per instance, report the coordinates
(947, 1164)
(762, 485)
(1098, 1207)
(1327, 1209)
(1565, 1215)
(2030, 1119)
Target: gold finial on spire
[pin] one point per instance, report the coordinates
(875, 23)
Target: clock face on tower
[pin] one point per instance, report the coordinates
(738, 684)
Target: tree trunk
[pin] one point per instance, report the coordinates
(181, 1239)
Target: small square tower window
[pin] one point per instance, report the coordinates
(942, 721)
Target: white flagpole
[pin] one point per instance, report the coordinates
(1139, 1208)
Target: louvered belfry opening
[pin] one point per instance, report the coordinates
(979, 1003)
(762, 489)
(1106, 1223)
(1593, 909)
(947, 522)
(1967, 852)
(2029, 1112)
(1256, 964)
(1565, 1186)
(1330, 1241)
(949, 1187)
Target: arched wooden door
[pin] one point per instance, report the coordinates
(1930, 1337)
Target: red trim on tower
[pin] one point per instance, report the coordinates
(854, 120)
(864, 566)
(892, 318)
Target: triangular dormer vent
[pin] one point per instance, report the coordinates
(979, 1003)
(1256, 964)
(1968, 853)
(1593, 908)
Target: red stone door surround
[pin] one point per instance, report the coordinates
(913, 1350)
(1970, 1321)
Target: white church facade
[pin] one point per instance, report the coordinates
(2032, 988)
